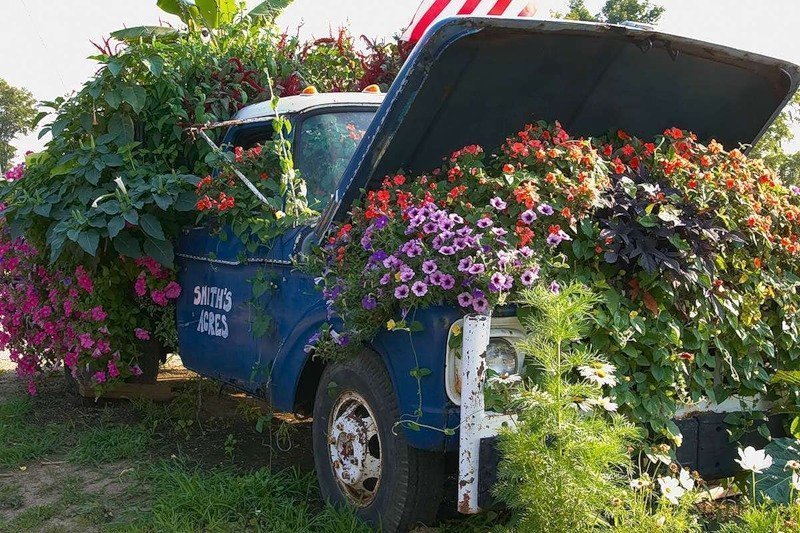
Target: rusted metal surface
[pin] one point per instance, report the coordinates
(473, 371)
(356, 463)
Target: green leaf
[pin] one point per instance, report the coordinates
(215, 13)
(419, 372)
(113, 99)
(109, 207)
(121, 126)
(114, 67)
(88, 240)
(161, 251)
(42, 209)
(115, 225)
(775, 481)
(127, 245)
(186, 201)
(162, 201)
(159, 33)
(269, 8)
(185, 9)
(155, 64)
(131, 217)
(151, 226)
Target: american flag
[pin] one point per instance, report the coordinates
(429, 11)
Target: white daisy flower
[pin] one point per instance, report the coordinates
(686, 480)
(599, 373)
(754, 460)
(671, 489)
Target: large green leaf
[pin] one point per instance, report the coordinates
(161, 251)
(215, 13)
(185, 9)
(269, 8)
(161, 33)
(88, 240)
(151, 226)
(127, 245)
(774, 482)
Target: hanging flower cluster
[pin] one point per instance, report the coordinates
(470, 233)
(693, 247)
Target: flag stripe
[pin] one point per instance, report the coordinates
(499, 8)
(468, 7)
(430, 15)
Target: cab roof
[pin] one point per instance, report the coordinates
(304, 102)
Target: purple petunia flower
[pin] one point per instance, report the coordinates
(795, 189)
(465, 299)
(448, 282)
(484, 222)
(499, 232)
(529, 276)
(446, 224)
(528, 216)
(480, 305)
(385, 279)
(497, 282)
(391, 262)
(504, 257)
(498, 203)
(436, 278)
(464, 264)
(401, 292)
(429, 266)
(368, 302)
(477, 268)
(526, 252)
(456, 218)
(447, 250)
(406, 274)
(555, 288)
(430, 227)
(554, 239)
(378, 256)
(545, 209)
(419, 288)
(381, 222)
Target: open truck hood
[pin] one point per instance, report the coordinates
(478, 80)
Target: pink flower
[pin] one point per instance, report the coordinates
(159, 298)
(99, 377)
(172, 290)
(136, 371)
(32, 388)
(98, 315)
(141, 285)
(85, 340)
(142, 334)
(113, 371)
(84, 282)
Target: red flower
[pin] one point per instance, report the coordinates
(508, 168)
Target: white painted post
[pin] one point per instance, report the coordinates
(473, 370)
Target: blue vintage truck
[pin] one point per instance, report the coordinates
(470, 80)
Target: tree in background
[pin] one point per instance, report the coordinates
(771, 146)
(614, 11)
(16, 116)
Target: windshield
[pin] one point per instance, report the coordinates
(323, 147)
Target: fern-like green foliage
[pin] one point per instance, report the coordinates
(563, 468)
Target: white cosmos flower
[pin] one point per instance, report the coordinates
(686, 480)
(754, 460)
(671, 489)
(795, 481)
(640, 483)
(605, 403)
(792, 464)
(582, 404)
(599, 373)
(505, 379)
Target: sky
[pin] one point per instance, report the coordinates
(44, 44)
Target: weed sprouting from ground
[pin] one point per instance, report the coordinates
(106, 444)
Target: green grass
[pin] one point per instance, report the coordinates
(31, 519)
(11, 496)
(108, 444)
(187, 499)
(22, 441)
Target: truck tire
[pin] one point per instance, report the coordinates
(364, 462)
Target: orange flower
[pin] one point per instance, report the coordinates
(757, 262)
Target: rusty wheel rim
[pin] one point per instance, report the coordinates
(354, 447)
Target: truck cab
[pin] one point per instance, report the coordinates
(381, 435)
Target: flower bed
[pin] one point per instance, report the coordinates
(693, 249)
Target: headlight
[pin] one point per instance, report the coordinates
(501, 356)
